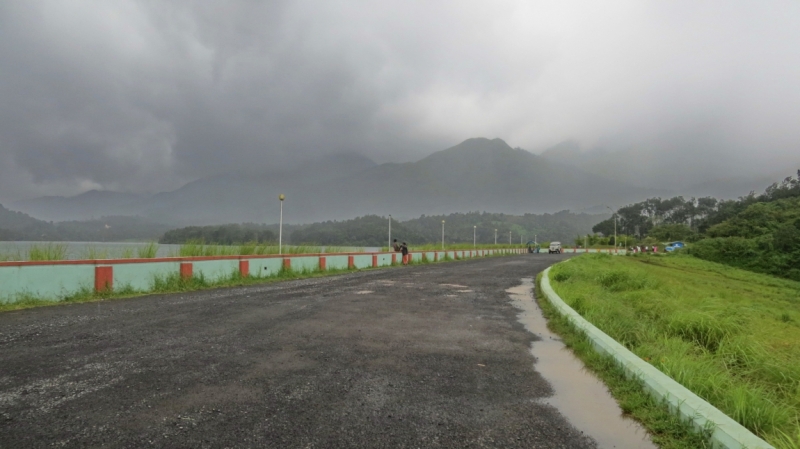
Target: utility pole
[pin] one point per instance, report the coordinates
(280, 226)
(474, 232)
(442, 234)
(390, 232)
(495, 236)
(509, 237)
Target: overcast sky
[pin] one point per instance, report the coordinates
(147, 95)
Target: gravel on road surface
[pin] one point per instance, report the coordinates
(421, 356)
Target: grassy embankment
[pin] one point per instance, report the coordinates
(730, 336)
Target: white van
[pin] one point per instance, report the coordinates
(555, 248)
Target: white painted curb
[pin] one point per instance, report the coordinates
(726, 433)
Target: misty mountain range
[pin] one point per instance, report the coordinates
(476, 175)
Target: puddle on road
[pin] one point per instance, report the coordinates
(582, 398)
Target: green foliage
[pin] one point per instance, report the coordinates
(672, 232)
(765, 237)
(728, 335)
(699, 214)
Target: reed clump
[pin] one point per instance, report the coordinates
(148, 251)
(47, 251)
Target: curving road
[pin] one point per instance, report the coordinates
(423, 356)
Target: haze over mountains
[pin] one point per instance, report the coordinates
(477, 175)
(687, 171)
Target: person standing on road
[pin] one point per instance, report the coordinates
(404, 249)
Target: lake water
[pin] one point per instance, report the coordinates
(100, 250)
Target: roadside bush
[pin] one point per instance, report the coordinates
(736, 251)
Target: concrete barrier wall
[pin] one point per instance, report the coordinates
(54, 280)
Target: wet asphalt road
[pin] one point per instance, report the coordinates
(423, 356)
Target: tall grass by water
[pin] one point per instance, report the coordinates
(198, 249)
(730, 336)
(90, 251)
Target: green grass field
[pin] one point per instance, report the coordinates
(730, 336)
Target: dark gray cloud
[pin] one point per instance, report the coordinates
(147, 95)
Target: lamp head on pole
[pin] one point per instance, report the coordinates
(281, 197)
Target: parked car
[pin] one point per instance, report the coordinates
(672, 246)
(555, 248)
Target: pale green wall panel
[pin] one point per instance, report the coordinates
(362, 261)
(51, 282)
(140, 276)
(212, 270)
(384, 260)
(336, 262)
(307, 264)
(265, 267)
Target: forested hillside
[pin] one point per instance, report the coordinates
(17, 226)
(756, 232)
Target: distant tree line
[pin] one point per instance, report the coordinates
(372, 230)
(755, 232)
(228, 234)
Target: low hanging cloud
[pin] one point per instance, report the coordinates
(148, 95)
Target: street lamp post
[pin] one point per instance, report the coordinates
(280, 226)
(390, 232)
(474, 233)
(509, 237)
(495, 236)
(442, 234)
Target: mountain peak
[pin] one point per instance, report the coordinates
(477, 148)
